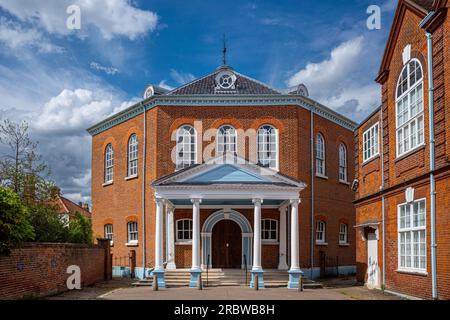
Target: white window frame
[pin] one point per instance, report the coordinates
(342, 163)
(267, 151)
(132, 233)
(343, 232)
(320, 155)
(183, 230)
(109, 163)
(321, 231)
(133, 154)
(269, 230)
(226, 140)
(371, 142)
(411, 229)
(187, 146)
(410, 133)
(109, 232)
(65, 219)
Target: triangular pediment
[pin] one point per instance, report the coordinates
(227, 169)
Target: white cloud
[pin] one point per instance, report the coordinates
(181, 77)
(108, 70)
(164, 85)
(16, 37)
(111, 17)
(336, 81)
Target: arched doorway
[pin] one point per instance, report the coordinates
(245, 235)
(226, 245)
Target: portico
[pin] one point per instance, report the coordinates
(228, 185)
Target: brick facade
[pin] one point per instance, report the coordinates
(411, 169)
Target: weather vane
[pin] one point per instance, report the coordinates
(224, 51)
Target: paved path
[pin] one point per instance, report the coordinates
(120, 289)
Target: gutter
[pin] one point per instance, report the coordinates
(312, 193)
(144, 157)
(429, 37)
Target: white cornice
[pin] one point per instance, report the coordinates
(220, 101)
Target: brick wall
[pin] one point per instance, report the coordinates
(411, 170)
(39, 269)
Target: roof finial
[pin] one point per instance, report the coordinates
(224, 51)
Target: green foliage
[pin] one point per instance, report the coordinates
(80, 229)
(14, 224)
(48, 226)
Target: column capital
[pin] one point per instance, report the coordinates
(159, 201)
(283, 208)
(257, 201)
(295, 201)
(196, 200)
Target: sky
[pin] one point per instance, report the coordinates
(62, 81)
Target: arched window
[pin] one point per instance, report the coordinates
(320, 155)
(342, 163)
(109, 163)
(132, 156)
(410, 119)
(320, 232)
(186, 147)
(226, 140)
(109, 232)
(267, 146)
(184, 230)
(269, 229)
(132, 228)
(343, 233)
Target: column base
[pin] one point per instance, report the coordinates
(160, 276)
(260, 274)
(283, 266)
(294, 278)
(195, 276)
(171, 266)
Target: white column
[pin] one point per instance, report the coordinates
(257, 235)
(196, 233)
(170, 238)
(294, 235)
(282, 264)
(159, 235)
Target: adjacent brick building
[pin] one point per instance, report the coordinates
(159, 186)
(392, 160)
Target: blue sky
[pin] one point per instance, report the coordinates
(62, 81)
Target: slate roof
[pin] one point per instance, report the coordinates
(206, 86)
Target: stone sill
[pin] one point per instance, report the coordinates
(321, 243)
(344, 182)
(108, 183)
(132, 244)
(367, 161)
(413, 272)
(321, 176)
(344, 244)
(184, 243)
(268, 242)
(131, 177)
(410, 152)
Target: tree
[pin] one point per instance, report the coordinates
(80, 229)
(14, 225)
(48, 226)
(22, 168)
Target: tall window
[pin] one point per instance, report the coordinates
(320, 155)
(343, 233)
(342, 163)
(132, 232)
(267, 146)
(184, 230)
(320, 232)
(109, 231)
(186, 147)
(226, 140)
(411, 235)
(269, 229)
(370, 143)
(132, 155)
(109, 163)
(410, 108)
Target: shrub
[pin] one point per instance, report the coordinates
(48, 227)
(14, 225)
(80, 229)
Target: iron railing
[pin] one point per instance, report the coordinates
(245, 269)
(207, 270)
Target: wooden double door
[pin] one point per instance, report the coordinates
(226, 245)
